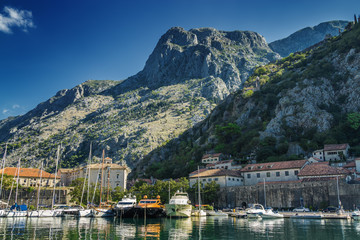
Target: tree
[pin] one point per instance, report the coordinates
(210, 191)
(353, 120)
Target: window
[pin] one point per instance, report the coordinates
(233, 179)
(249, 175)
(216, 179)
(278, 174)
(268, 174)
(209, 179)
(238, 180)
(258, 175)
(204, 180)
(229, 179)
(117, 175)
(286, 173)
(296, 172)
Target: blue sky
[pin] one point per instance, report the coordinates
(49, 45)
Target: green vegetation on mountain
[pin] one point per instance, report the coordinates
(306, 100)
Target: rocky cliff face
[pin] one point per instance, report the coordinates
(307, 37)
(187, 74)
(304, 100)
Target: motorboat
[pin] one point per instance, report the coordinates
(124, 206)
(150, 208)
(356, 214)
(270, 214)
(255, 211)
(218, 213)
(179, 205)
(199, 213)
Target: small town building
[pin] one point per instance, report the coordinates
(114, 175)
(322, 171)
(272, 171)
(319, 154)
(223, 177)
(336, 152)
(211, 158)
(30, 177)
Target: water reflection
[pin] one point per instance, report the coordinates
(176, 229)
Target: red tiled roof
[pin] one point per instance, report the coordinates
(211, 155)
(321, 169)
(217, 172)
(273, 166)
(196, 172)
(332, 147)
(27, 172)
(350, 165)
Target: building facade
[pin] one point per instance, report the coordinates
(114, 175)
(223, 177)
(272, 171)
(211, 158)
(336, 152)
(30, 177)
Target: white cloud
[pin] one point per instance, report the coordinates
(15, 106)
(13, 17)
(5, 111)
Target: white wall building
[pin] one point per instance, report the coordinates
(211, 158)
(114, 175)
(272, 171)
(223, 177)
(319, 154)
(336, 152)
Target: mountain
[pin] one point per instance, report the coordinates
(307, 37)
(286, 110)
(185, 77)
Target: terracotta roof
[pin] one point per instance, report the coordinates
(200, 170)
(217, 172)
(27, 172)
(211, 155)
(321, 169)
(350, 165)
(273, 166)
(332, 147)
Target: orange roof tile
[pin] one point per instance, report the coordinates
(273, 166)
(211, 155)
(217, 172)
(334, 147)
(321, 169)
(26, 172)
(350, 165)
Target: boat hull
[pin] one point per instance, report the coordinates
(147, 212)
(101, 212)
(16, 214)
(178, 210)
(85, 213)
(127, 212)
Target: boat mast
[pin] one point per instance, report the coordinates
(108, 184)
(17, 182)
(337, 188)
(3, 170)
(96, 184)
(86, 176)
(88, 186)
(264, 193)
(56, 166)
(199, 189)
(102, 174)
(38, 193)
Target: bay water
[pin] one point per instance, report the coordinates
(166, 228)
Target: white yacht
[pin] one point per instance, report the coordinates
(270, 214)
(179, 205)
(255, 211)
(356, 214)
(125, 205)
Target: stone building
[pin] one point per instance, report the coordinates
(336, 152)
(114, 175)
(211, 158)
(272, 171)
(322, 171)
(30, 177)
(223, 177)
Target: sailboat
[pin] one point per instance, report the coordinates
(199, 212)
(104, 210)
(2, 211)
(41, 212)
(269, 213)
(17, 210)
(86, 212)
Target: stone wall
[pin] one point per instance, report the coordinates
(287, 195)
(29, 197)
